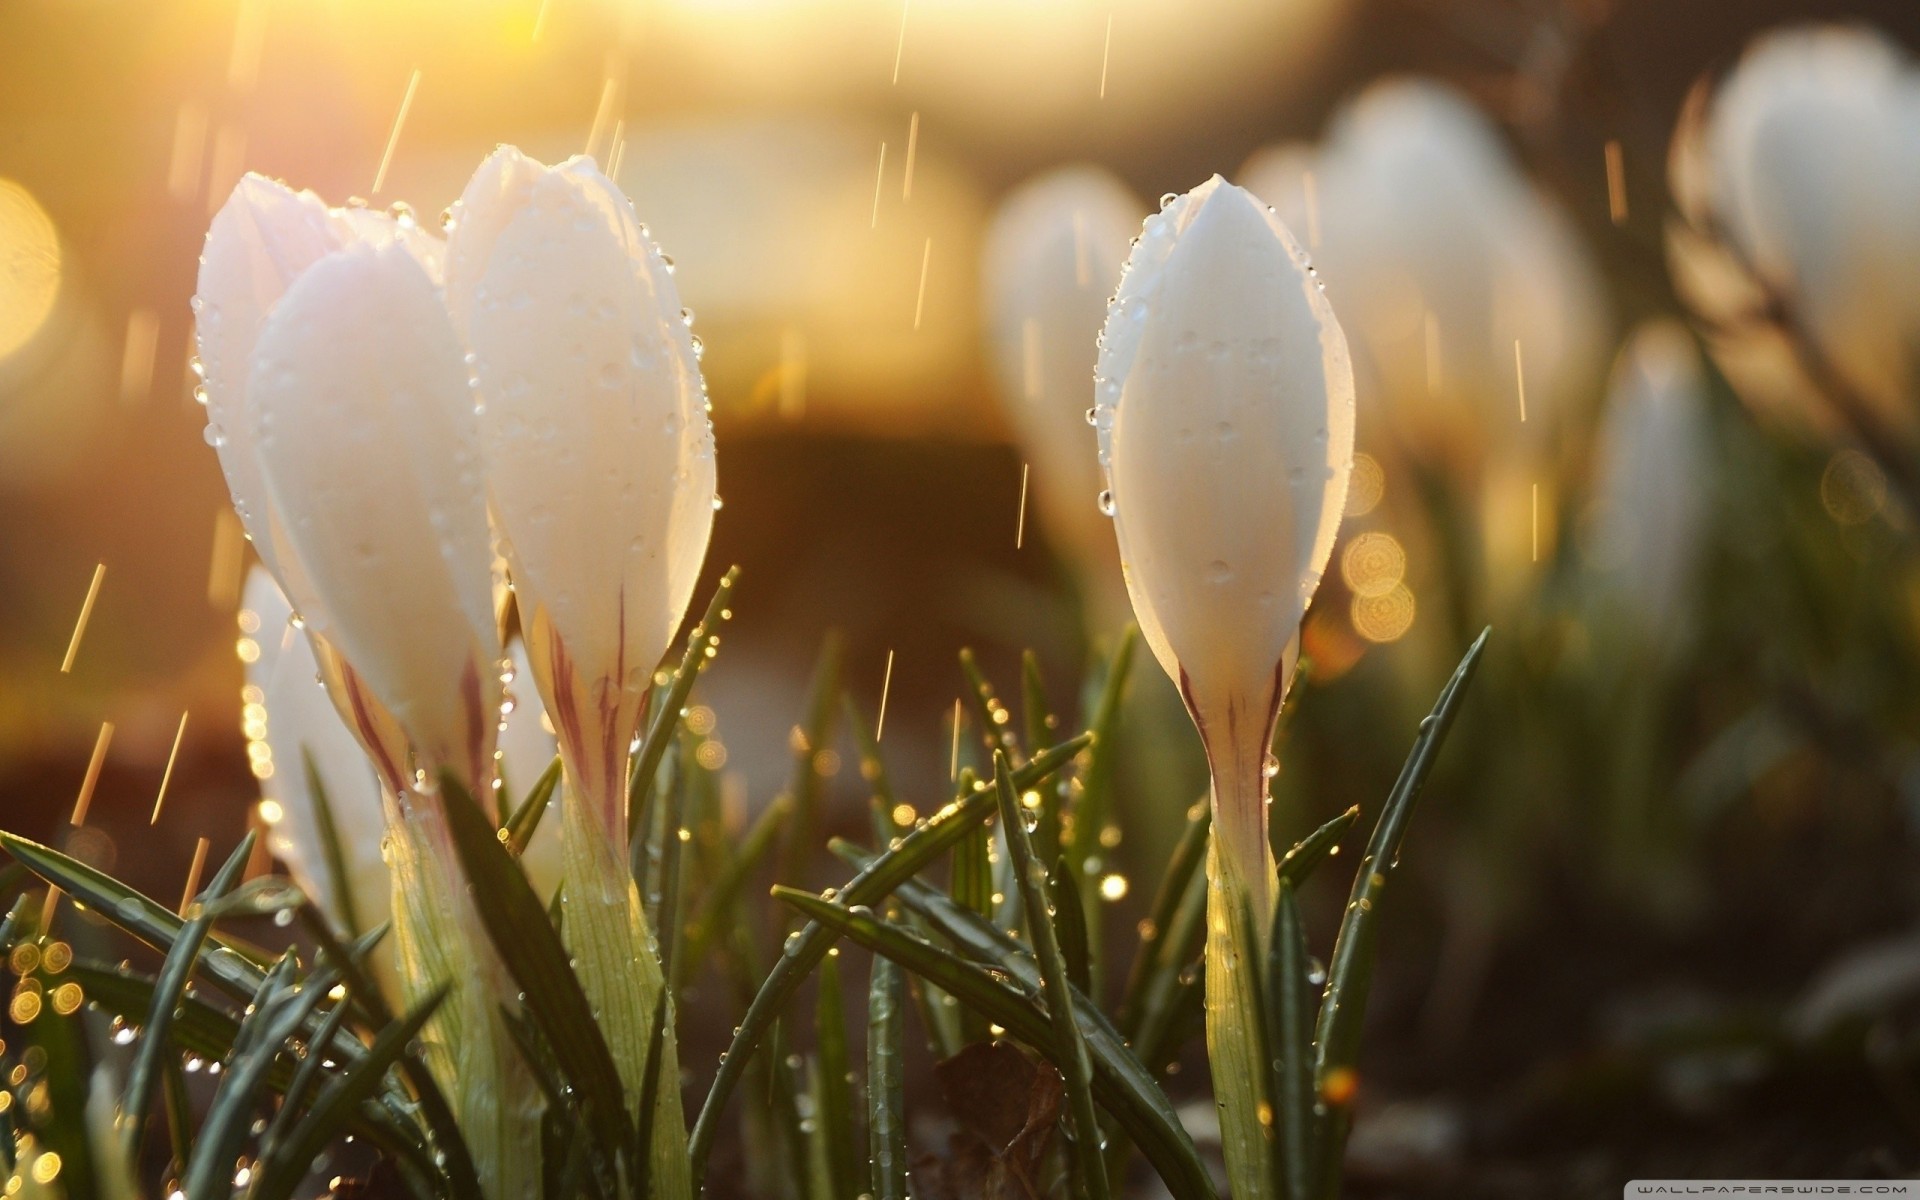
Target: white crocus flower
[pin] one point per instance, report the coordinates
(285, 707)
(1445, 256)
(1797, 181)
(600, 465)
(1052, 260)
(339, 400)
(1655, 476)
(1225, 415)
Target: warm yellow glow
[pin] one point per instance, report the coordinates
(1373, 564)
(1366, 487)
(1113, 887)
(1384, 618)
(29, 267)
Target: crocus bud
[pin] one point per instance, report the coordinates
(1655, 474)
(1052, 259)
(1445, 256)
(599, 458)
(599, 453)
(1804, 166)
(1224, 404)
(1225, 418)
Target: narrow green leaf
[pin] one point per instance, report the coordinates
(1350, 973)
(280, 1008)
(649, 1096)
(715, 914)
(1120, 1084)
(517, 923)
(886, 1088)
(1289, 1015)
(1076, 1068)
(996, 722)
(332, 850)
(1314, 849)
(526, 819)
(836, 1080)
(810, 738)
(283, 1164)
(137, 1098)
(702, 644)
(1188, 855)
(1069, 924)
(805, 948)
(1040, 726)
(666, 910)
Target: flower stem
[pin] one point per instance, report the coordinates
(1240, 883)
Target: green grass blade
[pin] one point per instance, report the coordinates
(1076, 1068)
(886, 1088)
(716, 912)
(1289, 1003)
(532, 952)
(702, 644)
(1120, 1084)
(1040, 724)
(668, 923)
(804, 950)
(811, 737)
(1350, 973)
(1070, 925)
(835, 1108)
(278, 1011)
(283, 1164)
(525, 819)
(332, 850)
(1310, 851)
(996, 722)
(175, 971)
(649, 1096)
(1188, 855)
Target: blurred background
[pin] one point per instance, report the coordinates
(1669, 912)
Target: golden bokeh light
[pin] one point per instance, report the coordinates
(1384, 618)
(29, 267)
(1373, 564)
(1853, 489)
(1366, 487)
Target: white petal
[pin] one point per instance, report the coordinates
(1231, 435)
(599, 451)
(369, 444)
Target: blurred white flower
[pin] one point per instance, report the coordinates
(1441, 255)
(599, 452)
(1052, 259)
(1796, 183)
(1225, 419)
(1655, 476)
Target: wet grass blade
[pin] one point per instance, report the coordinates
(285, 1163)
(227, 966)
(279, 1009)
(811, 737)
(668, 923)
(1076, 1068)
(996, 722)
(332, 850)
(1120, 1084)
(1040, 726)
(1289, 1003)
(175, 971)
(1314, 849)
(517, 923)
(649, 1097)
(525, 819)
(836, 1080)
(702, 645)
(918, 848)
(1069, 925)
(1350, 973)
(1188, 855)
(715, 914)
(886, 1089)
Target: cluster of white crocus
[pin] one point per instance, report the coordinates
(386, 406)
(1224, 405)
(1798, 226)
(1655, 475)
(1051, 262)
